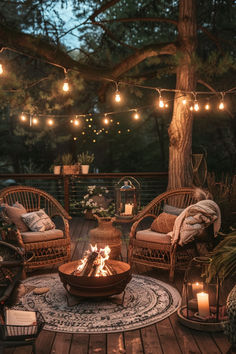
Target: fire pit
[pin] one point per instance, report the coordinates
(95, 275)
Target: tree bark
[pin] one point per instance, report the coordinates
(180, 130)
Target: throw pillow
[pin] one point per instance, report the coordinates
(38, 221)
(172, 210)
(14, 214)
(164, 223)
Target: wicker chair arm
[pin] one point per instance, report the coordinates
(135, 225)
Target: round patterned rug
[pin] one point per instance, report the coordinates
(146, 301)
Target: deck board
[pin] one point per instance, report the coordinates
(167, 336)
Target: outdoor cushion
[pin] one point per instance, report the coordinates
(38, 221)
(164, 223)
(172, 210)
(48, 235)
(14, 213)
(152, 236)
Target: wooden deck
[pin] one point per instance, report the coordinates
(167, 336)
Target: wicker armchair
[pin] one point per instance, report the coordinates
(164, 254)
(46, 251)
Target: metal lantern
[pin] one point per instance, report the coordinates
(203, 300)
(127, 197)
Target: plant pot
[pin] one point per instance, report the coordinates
(84, 169)
(70, 169)
(57, 170)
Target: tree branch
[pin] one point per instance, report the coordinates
(142, 54)
(38, 47)
(103, 8)
(141, 19)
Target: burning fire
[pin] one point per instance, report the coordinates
(94, 263)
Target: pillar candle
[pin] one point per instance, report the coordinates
(128, 209)
(197, 288)
(203, 304)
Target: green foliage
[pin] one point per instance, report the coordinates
(85, 158)
(67, 159)
(224, 258)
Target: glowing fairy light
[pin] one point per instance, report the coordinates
(23, 117)
(221, 104)
(1, 69)
(136, 115)
(117, 96)
(65, 86)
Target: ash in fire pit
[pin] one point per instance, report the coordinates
(95, 275)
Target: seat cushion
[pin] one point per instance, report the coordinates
(14, 213)
(164, 223)
(38, 236)
(152, 236)
(38, 221)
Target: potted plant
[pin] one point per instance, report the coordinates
(57, 166)
(85, 159)
(223, 265)
(68, 166)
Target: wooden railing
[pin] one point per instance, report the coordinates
(70, 189)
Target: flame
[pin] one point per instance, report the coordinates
(100, 261)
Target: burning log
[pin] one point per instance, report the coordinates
(94, 264)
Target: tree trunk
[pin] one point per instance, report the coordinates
(180, 130)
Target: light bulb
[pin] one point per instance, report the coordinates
(50, 122)
(94, 140)
(191, 108)
(161, 103)
(35, 121)
(65, 87)
(1, 69)
(75, 138)
(83, 133)
(221, 105)
(23, 117)
(136, 115)
(196, 106)
(207, 106)
(117, 96)
(166, 105)
(184, 101)
(76, 122)
(106, 121)
(119, 132)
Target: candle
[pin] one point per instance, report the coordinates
(203, 304)
(128, 209)
(197, 288)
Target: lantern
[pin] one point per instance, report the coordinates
(127, 197)
(203, 301)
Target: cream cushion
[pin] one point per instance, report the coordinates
(39, 236)
(38, 221)
(152, 236)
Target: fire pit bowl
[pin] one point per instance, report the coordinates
(93, 287)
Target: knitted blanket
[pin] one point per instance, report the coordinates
(194, 219)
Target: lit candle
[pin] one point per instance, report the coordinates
(128, 209)
(197, 288)
(203, 304)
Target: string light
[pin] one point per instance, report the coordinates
(35, 121)
(23, 117)
(94, 140)
(75, 138)
(76, 122)
(195, 104)
(136, 114)
(1, 69)
(106, 120)
(221, 105)
(117, 94)
(50, 122)
(207, 106)
(184, 100)
(65, 86)
(161, 103)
